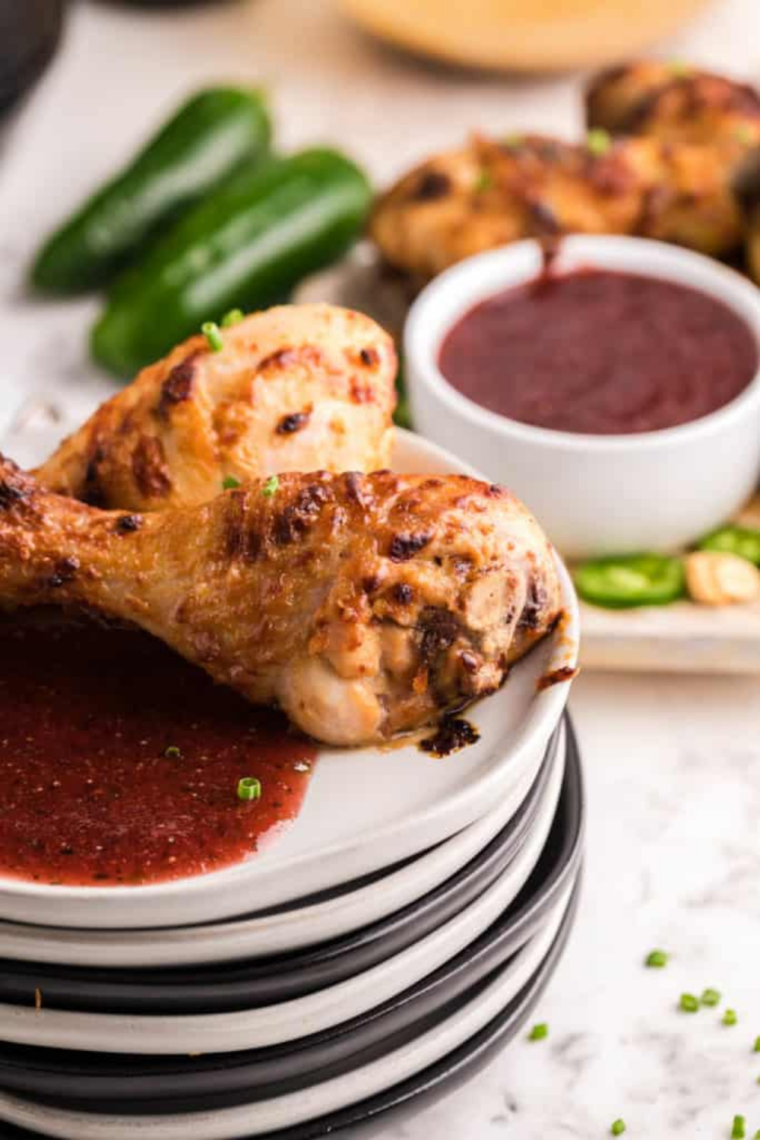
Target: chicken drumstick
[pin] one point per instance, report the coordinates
(294, 388)
(363, 605)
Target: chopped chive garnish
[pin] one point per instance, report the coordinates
(618, 1127)
(229, 483)
(172, 752)
(656, 959)
(729, 1017)
(539, 1031)
(212, 334)
(710, 997)
(234, 317)
(689, 1003)
(484, 181)
(270, 487)
(513, 141)
(249, 788)
(598, 141)
(757, 1045)
(738, 1131)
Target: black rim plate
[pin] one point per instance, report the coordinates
(134, 1084)
(225, 987)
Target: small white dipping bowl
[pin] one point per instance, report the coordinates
(594, 494)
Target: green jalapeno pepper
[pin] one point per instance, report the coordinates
(740, 540)
(208, 138)
(634, 580)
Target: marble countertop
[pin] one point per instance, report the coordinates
(672, 763)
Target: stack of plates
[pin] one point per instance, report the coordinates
(376, 956)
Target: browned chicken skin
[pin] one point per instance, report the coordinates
(670, 176)
(297, 387)
(362, 605)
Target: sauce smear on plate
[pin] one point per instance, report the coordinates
(120, 763)
(600, 352)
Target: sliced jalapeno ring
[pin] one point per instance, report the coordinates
(633, 580)
(740, 540)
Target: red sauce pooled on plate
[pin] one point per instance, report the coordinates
(88, 794)
(600, 352)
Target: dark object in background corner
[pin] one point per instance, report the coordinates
(29, 34)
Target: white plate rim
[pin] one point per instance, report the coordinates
(300, 1017)
(318, 1100)
(218, 894)
(264, 935)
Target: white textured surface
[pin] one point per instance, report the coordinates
(673, 764)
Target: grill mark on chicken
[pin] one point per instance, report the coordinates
(178, 385)
(354, 484)
(403, 593)
(10, 494)
(65, 571)
(149, 468)
(293, 423)
(128, 524)
(369, 357)
(405, 546)
(286, 357)
(534, 603)
(293, 522)
(440, 628)
(433, 184)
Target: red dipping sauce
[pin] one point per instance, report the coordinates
(88, 794)
(600, 352)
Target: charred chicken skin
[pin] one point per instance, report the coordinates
(363, 605)
(671, 175)
(297, 387)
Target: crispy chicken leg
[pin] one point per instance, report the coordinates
(296, 387)
(363, 605)
(683, 137)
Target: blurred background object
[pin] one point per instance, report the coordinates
(519, 36)
(29, 34)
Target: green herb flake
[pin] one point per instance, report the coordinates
(710, 997)
(729, 1017)
(212, 334)
(598, 142)
(249, 788)
(173, 752)
(483, 182)
(618, 1127)
(513, 141)
(656, 959)
(756, 1047)
(689, 1003)
(234, 317)
(738, 1129)
(744, 134)
(679, 69)
(229, 483)
(539, 1031)
(270, 487)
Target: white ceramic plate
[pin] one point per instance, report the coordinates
(268, 934)
(290, 1020)
(366, 808)
(269, 1116)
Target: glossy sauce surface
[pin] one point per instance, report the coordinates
(89, 794)
(600, 352)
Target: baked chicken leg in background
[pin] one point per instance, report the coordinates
(362, 605)
(297, 387)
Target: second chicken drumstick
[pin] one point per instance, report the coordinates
(362, 605)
